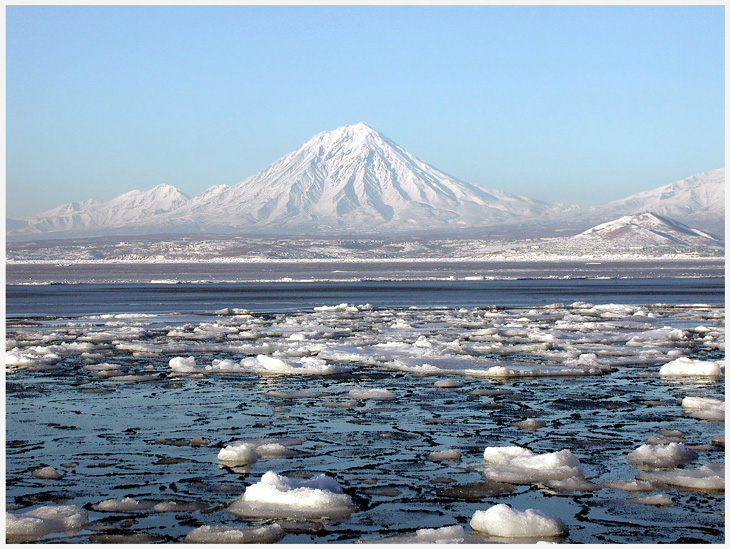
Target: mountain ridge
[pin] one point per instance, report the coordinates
(352, 180)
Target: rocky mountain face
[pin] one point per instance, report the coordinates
(353, 180)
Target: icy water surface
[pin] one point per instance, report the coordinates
(365, 393)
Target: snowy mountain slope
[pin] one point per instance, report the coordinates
(698, 201)
(647, 229)
(132, 208)
(354, 179)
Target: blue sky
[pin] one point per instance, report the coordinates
(577, 105)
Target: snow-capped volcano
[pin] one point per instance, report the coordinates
(355, 179)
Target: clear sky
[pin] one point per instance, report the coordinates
(578, 105)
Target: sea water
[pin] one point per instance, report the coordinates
(392, 389)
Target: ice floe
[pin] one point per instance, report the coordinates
(48, 473)
(238, 453)
(687, 367)
(658, 500)
(706, 477)
(35, 524)
(516, 465)
(661, 455)
(503, 521)
(277, 496)
(710, 409)
(233, 534)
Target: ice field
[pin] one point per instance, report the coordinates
(571, 421)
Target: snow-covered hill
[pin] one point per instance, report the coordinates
(698, 201)
(645, 230)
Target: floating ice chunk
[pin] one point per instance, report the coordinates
(231, 311)
(448, 384)
(501, 454)
(661, 336)
(126, 505)
(530, 424)
(503, 521)
(33, 525)
(273, 449)
(102, 367)
(572, 484)
(17, 360)
(305, 366)
(445, 455)
(133, 378)
(371, 394)
(710, 409)
(517, 465)
(48, 473)
(225, 365)
(232, 534)
(706, 477)
(183, 365)
(661, 455)
(342, 308)
(500, 371)
(629, 485)
(660, 500)
(238, 453)
(447, 534)
(687, 367)
(277, 496)
(178, 506)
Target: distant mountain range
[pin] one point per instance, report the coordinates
(353, 180)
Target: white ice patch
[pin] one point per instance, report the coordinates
(445, 455)
(341, 308)
(447, 534)
(710, 409)
(629, 485)
(238, 453)
(48, 473)
(371, 394)
(126, 505)
(277, 496)
(706, 477)
(661, 455)
(312, 366)
(687, 367)
(516, 465)
(33, 525)
(503, 521)
(665, 336)
(658, 500)
(17, 360)
(183, 365)
(232, 534)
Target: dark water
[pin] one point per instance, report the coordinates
(78, 299)
(116, 439)
(354, 271)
